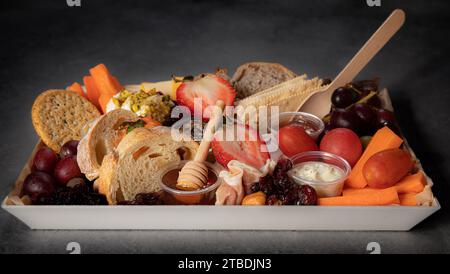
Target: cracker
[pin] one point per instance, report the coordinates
(59, 115)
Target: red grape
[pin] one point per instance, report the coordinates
(367, 115)
(68, 149)
(66, 169)
(385, 117)
(45, 160)
(345, 118)
(37, 185)
(374, 101)
(343, 97)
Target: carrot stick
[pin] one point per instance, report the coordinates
(411, 184)
(103, 101)
(103, 80)
(75, 87)
(408, 199)
(358, 191)
(381, 197)
(383, 139)
(92, 92)
(116, 83)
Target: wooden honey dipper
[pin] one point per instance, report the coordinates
(194, 174)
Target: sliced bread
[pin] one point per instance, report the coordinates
(139, 157)
(251, 78)
(102, 138)
(59, 116)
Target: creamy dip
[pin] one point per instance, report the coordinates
(317, 172)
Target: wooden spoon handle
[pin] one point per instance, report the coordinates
(319, 103)
(215, 119)
(381, 36)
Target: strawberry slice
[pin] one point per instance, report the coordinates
(250, 149)
(209, 88)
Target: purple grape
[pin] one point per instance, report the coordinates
(365, 113)
(385, 116)
(38, 184)
(346, 119)
(374, 101)
(343, 97)
(367, 116)
(69, 149)
(45, 160)
(66, 169)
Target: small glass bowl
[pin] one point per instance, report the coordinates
(312, 124)
(323, 189)
(173, 196)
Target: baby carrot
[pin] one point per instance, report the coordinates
(381, 197)
(76, 87)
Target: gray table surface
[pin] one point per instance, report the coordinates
(46, 44)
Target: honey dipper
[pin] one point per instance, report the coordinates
(194, 174)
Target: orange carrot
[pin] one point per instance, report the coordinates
(414, 183)
(383, 139)
(75, 87)
(103, 80)
(408, 199)
(358, 191)
(149, 122)
(411, 184)
(103, 101)
(116, 83)
(92, 92)
(380, 197)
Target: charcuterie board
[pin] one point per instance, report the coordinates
(203, 217)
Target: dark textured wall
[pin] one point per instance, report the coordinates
(45, 44)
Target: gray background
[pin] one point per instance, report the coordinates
(46, 44)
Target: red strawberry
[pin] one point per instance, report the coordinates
(209, 88)
(251, 151)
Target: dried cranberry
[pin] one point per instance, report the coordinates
(306, 195)
(273, 200)
(147, 199)
(266, 184)
(282, 167)
(255, 188)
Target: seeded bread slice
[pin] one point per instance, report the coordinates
(59, 116)
(135, 165)
(102, 138)
(251, 78)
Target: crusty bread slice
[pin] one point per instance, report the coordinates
(253, 77)
(59, 116)
(102, 138)
(134, 166)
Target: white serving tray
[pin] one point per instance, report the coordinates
(399, 218)
(393, 218)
